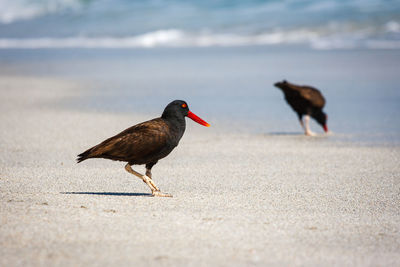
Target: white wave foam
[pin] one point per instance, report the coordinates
(392, 26)
(162, 38)
(333, 44)
(177, 38)
(15, 10)
(158, 38)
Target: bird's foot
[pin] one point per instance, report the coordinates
(153, 185)
(147, 180)
(309, 133)
(160, 194)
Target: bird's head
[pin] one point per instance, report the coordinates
(281, 84)
(322, 119)
(180, 108)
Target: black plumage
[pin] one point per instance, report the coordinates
(147, 142)
(305, 100)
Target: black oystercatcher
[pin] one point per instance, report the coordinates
(305, 100)
(147, 142)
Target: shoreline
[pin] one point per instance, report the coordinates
(232, 87)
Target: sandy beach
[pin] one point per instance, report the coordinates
(240, 199)
(251, 190)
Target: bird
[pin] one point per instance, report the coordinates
(305, 100)
(146, 142)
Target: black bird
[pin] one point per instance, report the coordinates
(305, 100)
(147, 142)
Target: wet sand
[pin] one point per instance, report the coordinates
(239, 199)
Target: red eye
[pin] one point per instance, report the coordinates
(184, 105)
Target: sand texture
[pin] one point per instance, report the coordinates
(239, 199)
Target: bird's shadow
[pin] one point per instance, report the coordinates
(109, 194)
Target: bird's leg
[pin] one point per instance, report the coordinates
(147, 180)
(307, 126)
(148, 174)
(302, 123)
(157, 192)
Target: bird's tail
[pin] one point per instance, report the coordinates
(83, 156)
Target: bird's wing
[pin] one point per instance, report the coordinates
(138, 141)
(312, 95)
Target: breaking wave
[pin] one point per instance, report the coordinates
(16, 10)
(178, 38)
(320, 24)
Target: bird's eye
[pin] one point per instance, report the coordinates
(183, 105)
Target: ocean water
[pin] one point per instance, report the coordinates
(319, 24)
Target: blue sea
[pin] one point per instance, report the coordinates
(319, 24)
(223, 57)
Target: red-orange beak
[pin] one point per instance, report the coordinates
(326, 128)
(197, 119)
